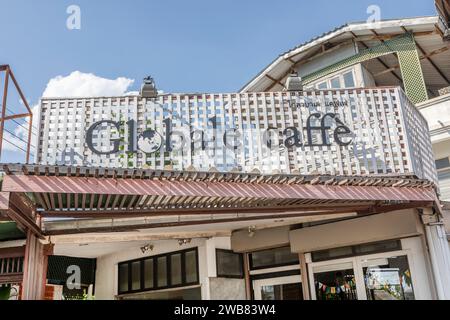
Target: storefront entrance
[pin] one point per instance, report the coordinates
(282, 288)
(275, 274)
(335, 281)
(383, 276)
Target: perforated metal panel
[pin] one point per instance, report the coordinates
(405, 48)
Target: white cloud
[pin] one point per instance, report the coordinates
(76, 84)
(79, 84)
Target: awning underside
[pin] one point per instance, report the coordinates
(105, 200)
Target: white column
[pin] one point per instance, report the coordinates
(440, 256)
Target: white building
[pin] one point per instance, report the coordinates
(329, 194)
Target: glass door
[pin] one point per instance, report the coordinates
(383, 276)
(334, 281)
(282, 288)
(388, 278)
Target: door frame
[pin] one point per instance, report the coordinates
(356, 261)
(352, 260)
(259, 283)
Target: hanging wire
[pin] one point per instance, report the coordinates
(21, 124)
(14, 145)
(17, 137)
(32, 132)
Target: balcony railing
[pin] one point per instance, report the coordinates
(11, 270)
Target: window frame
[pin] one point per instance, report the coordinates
(445, 160)
(355, 253)
(352, 72)
(340, 76)
(241, 263)
(277, 265)
(154, 259)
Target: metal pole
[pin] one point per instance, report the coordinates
(30, 112)
(30, 130)
(5, 96)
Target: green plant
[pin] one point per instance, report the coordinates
(5, 293)
(84, 296)
(87, 297)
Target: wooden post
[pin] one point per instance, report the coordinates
(304, 274)
(248, 283)
(35, 268)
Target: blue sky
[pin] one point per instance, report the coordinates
(188, 46)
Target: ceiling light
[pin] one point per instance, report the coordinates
(147, 247)
(251, 231)
(184, 241)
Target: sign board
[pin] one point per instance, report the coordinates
(343, 132)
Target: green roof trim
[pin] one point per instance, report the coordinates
(9, 231)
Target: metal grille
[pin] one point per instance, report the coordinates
(11, 265)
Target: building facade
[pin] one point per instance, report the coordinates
(333, 193)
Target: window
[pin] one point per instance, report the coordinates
(273, 258)
(123, 277)
(444, 184)
(442, 163)
(357, 250)
(161, 268)
(349, 81)
(343, 80)
(322, 86)
(191, 262)
(178, 294)
(175, 266)
(335, 83)
(335, 282)
(148, 274)
(170, 270)
(135, 275)
(229, 264)
(388, 279)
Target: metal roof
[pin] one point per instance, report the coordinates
(363, 32)
(216, 176)
(119, 200)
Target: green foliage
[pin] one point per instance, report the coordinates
(5, 293)
(84, 296)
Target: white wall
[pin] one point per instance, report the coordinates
(420, 268)
(106, 281)
(106, 277)
(327, 59)
(369, 80)
(437, 113)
